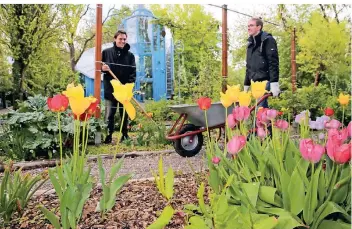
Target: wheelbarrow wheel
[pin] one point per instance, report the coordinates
(189, 146)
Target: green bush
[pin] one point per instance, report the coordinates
(32, 130)
(316, 99)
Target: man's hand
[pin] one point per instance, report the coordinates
(274, 88)
(105, 67)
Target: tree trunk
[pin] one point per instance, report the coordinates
(317, 78)
(72, 56)
(18, 68)
(3, 99)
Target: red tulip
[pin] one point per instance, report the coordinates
(338, 153)
(281, 124)
(280, 113)
(216, 160)
(236, 144)
(241, 113)
(262, 117)
(83, 117)
(92, 107)
(310, 151)
(204, 103)
(58, 103)
(329, 111)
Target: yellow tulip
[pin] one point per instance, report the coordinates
(225, 99)
(78, 102)
(233, 92)
(124, 93)
(344, 99)
(244, 98)
(258, 89)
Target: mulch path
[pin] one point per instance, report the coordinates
(137, 206)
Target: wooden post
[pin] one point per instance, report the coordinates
(98, 38)
(224, 47)
(293, 60)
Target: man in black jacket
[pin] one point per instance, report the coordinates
(121, 62)
(262, 58)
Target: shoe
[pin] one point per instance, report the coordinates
(108, 139)
(124, 137)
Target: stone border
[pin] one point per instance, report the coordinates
(51, 163)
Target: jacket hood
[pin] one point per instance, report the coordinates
(263, 36)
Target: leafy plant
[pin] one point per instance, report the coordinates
(220, 213)
(165, 185)
(112, 187)
(73, 191)
(16, 190)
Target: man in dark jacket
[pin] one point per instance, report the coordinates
(262, 58)
(121, 62)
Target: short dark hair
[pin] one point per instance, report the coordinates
(120, 32)
(258, 21)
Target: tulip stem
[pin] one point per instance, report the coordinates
(255, 116)
(343, 115)
(59, 122)
(206, 122)
(225, 129)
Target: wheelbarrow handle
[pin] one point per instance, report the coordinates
(265, 96)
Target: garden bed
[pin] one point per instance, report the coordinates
(138, 205)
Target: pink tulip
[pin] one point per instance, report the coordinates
(271, 114)
(241, 113)
(261, 132)
(231, 122)
(236, 144)
(333, 124)
(338, 136)
(310, 151)
(343, 154)
(281, 124)
(349, 128)
(216, 160)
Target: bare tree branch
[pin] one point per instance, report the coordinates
(108, 15)
(323, 11)
(84, 47)
(84, 13)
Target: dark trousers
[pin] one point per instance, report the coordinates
(110, 111)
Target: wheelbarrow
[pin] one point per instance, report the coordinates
(188, 138)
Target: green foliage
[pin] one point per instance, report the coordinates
(112, 187)
(16, 190)
(271, 177)
(220, 213)
(165, 184)
(73, 184)
(198, 31)
(315, 99)
(32, 130)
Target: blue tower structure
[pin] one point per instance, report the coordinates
(153, 48)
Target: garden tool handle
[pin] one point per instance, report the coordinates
(140, 107)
